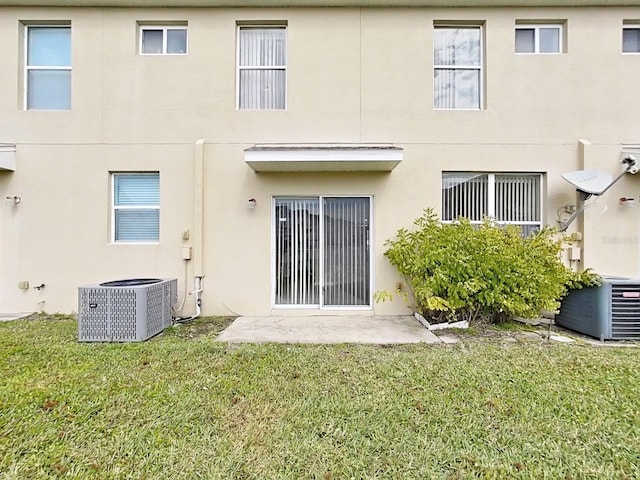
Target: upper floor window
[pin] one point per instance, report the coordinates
(163, 40)
(507, 198)
(136, 207)
(457, 67)
(262, 67)
(631, 38)
(48, 67)
(539, 38)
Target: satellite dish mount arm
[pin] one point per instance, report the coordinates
(630, 163)
(584, 196)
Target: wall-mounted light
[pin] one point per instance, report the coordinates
(12, 200)
(252, 203)
(627, 201)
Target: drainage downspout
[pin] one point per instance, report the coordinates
(198, 228)
(198, 222)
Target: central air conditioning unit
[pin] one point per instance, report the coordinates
(608, 312)
(125, 310)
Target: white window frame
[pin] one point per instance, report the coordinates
(130, 207)
(630, 26)
(274, 267)
(536, 27)
(165, 28)
(28, 68)
(239, 68)
(491, 197)
(479, 68)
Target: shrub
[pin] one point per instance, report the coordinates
(467, 272)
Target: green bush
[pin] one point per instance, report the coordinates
(468, 272)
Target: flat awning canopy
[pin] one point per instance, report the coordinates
(7, 157)
(323, 158)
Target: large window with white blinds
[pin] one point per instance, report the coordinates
(136, 207)
(262, 67)
(507, 198)
(457, 67)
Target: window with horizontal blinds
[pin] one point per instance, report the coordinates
(136, 207)
(507, 198)
(262, 67)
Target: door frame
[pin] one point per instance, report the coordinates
(272, 276)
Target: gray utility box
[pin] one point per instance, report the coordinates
(608, 312)
(125, 310)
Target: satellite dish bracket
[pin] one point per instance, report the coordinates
(630, 167)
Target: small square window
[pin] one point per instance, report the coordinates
(136, 207)
(538, 38)
(631, 39)
(161, 40)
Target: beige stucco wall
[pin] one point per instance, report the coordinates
(354, 76)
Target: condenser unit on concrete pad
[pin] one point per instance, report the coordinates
(608, 312)
(125, 310)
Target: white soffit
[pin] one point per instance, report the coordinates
(7, 157)
(323, 158)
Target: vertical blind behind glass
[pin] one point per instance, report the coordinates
(457, 67)
(516, 198)
(262, 68)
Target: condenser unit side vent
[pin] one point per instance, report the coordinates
(625, 311)
(608, 312)
(125, 310)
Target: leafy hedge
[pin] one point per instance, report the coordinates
(468, 272)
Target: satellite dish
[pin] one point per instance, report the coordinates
(593, 182)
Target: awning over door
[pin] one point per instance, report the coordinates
(7, 157)
(323, 158)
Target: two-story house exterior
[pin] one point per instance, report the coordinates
(270, 150)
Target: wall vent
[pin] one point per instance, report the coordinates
(125, 310)
(608, 312)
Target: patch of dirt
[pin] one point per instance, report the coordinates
(202, 326)
(511, 334)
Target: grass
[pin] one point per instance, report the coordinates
(184, 406)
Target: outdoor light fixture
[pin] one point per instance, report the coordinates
(252, 203)
(12, 200)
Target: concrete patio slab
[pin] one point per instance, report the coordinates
(7, 317)
(381, 330)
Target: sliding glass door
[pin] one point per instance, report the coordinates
(322, 251)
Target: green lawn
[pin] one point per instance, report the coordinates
(183, 406)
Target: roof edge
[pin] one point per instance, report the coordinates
(318, 3)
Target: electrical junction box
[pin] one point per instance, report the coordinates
(575, 253)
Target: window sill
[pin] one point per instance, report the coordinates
(134, 243)
(459, 109)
